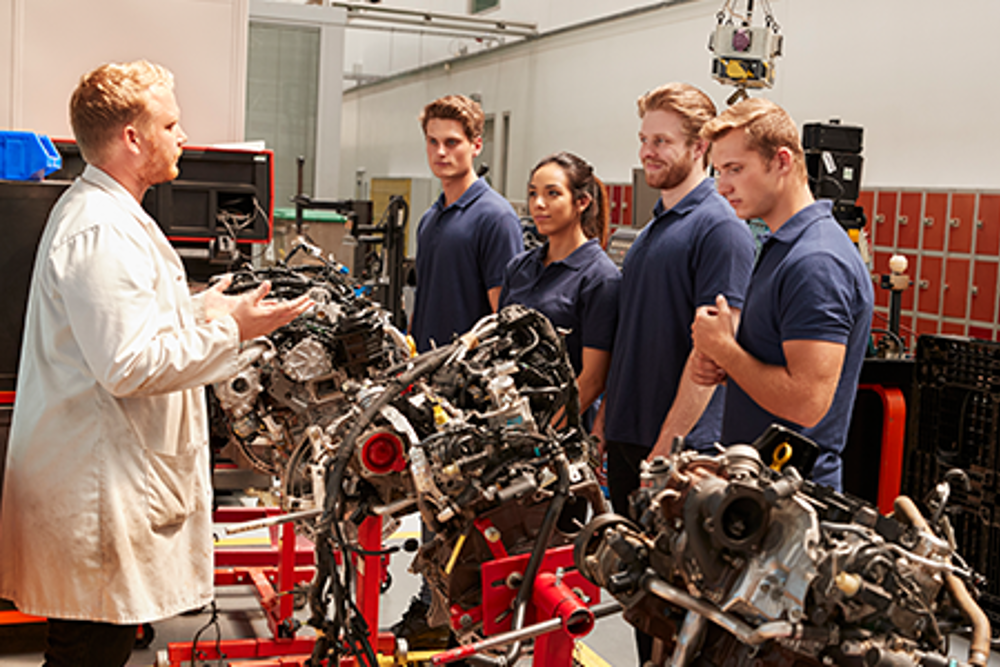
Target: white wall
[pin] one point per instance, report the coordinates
(45, 45)
(911, 75)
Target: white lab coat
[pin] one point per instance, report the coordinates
(107, 498)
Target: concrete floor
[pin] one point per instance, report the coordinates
(610, 644)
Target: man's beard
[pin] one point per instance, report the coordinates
(159, 169)
(672, 174)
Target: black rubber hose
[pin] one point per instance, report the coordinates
(335, 474)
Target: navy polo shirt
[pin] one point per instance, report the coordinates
(680, 261)
(809, 284)
(579, 293)
(462, 250)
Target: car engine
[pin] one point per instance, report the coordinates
(354, 426)
(730, 561)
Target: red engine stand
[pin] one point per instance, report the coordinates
(553, 596)
(283, 648)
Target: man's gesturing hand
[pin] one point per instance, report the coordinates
(254, 316)
(257, 317)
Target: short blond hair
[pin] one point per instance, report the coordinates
(694, 107)
(456, 107)
(766, 126)
(109, 98)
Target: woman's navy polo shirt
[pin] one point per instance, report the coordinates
(579, 293)
(809, 284)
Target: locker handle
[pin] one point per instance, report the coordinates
(928, 222)
(903, 220)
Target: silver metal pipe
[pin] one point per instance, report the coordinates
(392, 508)
(731, 624)
(353, 7)
(246, 526)
(352, 22)
(552, 625)
(688, 639)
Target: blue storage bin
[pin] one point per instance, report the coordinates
(26, 156)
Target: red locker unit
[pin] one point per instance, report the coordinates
(951, 239)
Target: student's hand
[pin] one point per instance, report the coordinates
(706, 372)
(712, 334)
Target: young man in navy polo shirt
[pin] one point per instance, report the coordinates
(466, 238)
(693, 249)
(464, 242)
(808, 310)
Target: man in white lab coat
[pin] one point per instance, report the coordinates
(106, 513)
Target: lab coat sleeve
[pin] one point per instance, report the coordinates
(130, 312)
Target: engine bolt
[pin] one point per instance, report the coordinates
(492, 534)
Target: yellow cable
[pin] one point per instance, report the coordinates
(454, 554)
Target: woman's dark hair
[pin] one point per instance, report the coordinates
(582, 181)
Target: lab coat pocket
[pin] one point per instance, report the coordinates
(172, 488)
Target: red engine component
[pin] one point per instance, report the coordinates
(382, 453)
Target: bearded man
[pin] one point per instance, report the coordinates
(694, 249)
(107, 498)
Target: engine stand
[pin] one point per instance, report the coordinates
(284, 648)
(557, 613)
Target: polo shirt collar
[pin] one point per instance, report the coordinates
(471, 194)
(582, 256)
(798, 223)
(578, 259)
(690, 201)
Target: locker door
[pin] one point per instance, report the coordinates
(953, 329)
(984, 292)
(908, 220)
(935, 220)
(980, 332)
(926, 325)
(956, 286)
(885, 219)
(961, 222)
(988, 227)
(929, 286)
